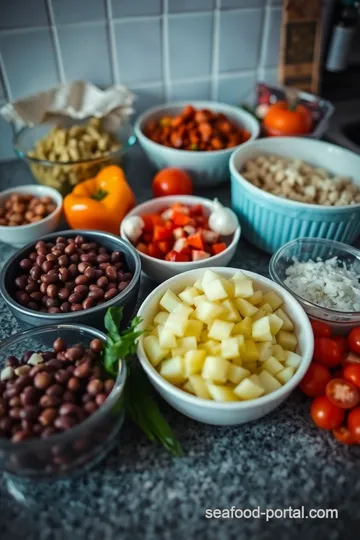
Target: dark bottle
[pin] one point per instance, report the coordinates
(346, 19)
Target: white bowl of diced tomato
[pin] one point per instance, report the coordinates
(176, 236)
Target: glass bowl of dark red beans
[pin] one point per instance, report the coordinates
(60, 412)
(71, 277)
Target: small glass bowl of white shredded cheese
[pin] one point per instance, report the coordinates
(324, 276)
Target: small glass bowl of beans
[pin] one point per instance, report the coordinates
(28, 213)
(59, 409)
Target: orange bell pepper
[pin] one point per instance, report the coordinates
(100, 203)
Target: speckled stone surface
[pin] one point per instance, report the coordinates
(140, 492)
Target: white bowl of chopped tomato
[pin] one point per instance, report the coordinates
(198, 137)
(176, 236)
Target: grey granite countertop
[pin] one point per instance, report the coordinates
(140, 492)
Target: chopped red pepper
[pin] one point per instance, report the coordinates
(196, 210)
(150, 220)
(181, 219)
(161, 233)
(142, 247)
(165, 246)
(218, 248)
(154, 251)
(174, 256)
(195, 241)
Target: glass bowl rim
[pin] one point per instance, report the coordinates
(131, 140)
(37, 443)
(329, 243)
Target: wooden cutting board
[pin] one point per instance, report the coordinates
(301, 45)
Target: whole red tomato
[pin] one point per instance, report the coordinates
(284, 119)
(352, 373)
(353, 423)
(342, 434)
(354, 340)
(327, 351)
(320, 329)
(342, 393)
(171, 182)
(315, 380)
(325, 414)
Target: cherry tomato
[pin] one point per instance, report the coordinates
(342, 393)
(352, 374)
(325, 414)
(354, 340)
(342, 342)
(171, 182)
(353, 423)
(315, 380)
(350, 359)
(327, 352)
(342, 434)
(320, 329)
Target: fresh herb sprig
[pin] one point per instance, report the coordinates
(140, 404)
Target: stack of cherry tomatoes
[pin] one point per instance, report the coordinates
(333, 380)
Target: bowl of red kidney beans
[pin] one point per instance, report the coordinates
(71, 277)
(59, 409)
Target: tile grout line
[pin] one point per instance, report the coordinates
(264, 38)
(112, 46)
(56, 42)
(5, 80)
(214, 88)
(166, 50)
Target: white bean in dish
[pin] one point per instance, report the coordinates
(329, 284)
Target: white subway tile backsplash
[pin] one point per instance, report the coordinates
(147, 97)
(130, 8)
(186, 91)
(70, 11)
(177, 6)
(6, 138)
(233, 4)
(269, 76)
(237, 31)
(29, 61)
(22, 14)
(138, 47)
(237, 89)
(190, 45)
(85, 53)
(272, 44)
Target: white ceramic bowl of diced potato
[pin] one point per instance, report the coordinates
(224, 346)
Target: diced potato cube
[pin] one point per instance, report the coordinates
(169, 301)
(265, 350)
(237, 361)
(243, 328)
(256, 298)
(194, 328)
(275, 323)
(178, 351)
(228, 286)
(188, 295)
(154, 352)
(188, 343)
(292, 359)
(208, 277)
(199, 299)
(287, 340)
(278, 353)
(285, 375)
(259, 314)
(274, 340)
(246, 309)
(215, 369)
(199, 386)
(251, 366)
(249, 351)
(266, 307)
(268, 382)
(173, 370)
(183, 309)
(213, 347)
(240, 340)
(261, 330)
(237, 373)
(272, 366)
(255, 379)
(198, 285)
(222, 393)
(167, 339)
(247, 389)
(177, 324)
(220, 329)
(273, 299)
(231, 313)
(243, 288)
(207, 311)
(193, 362)
(215, 290)
(161, 317)
(155, 331)
(230, 348)
(288, 325)
(188, 387)
(238, 275)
